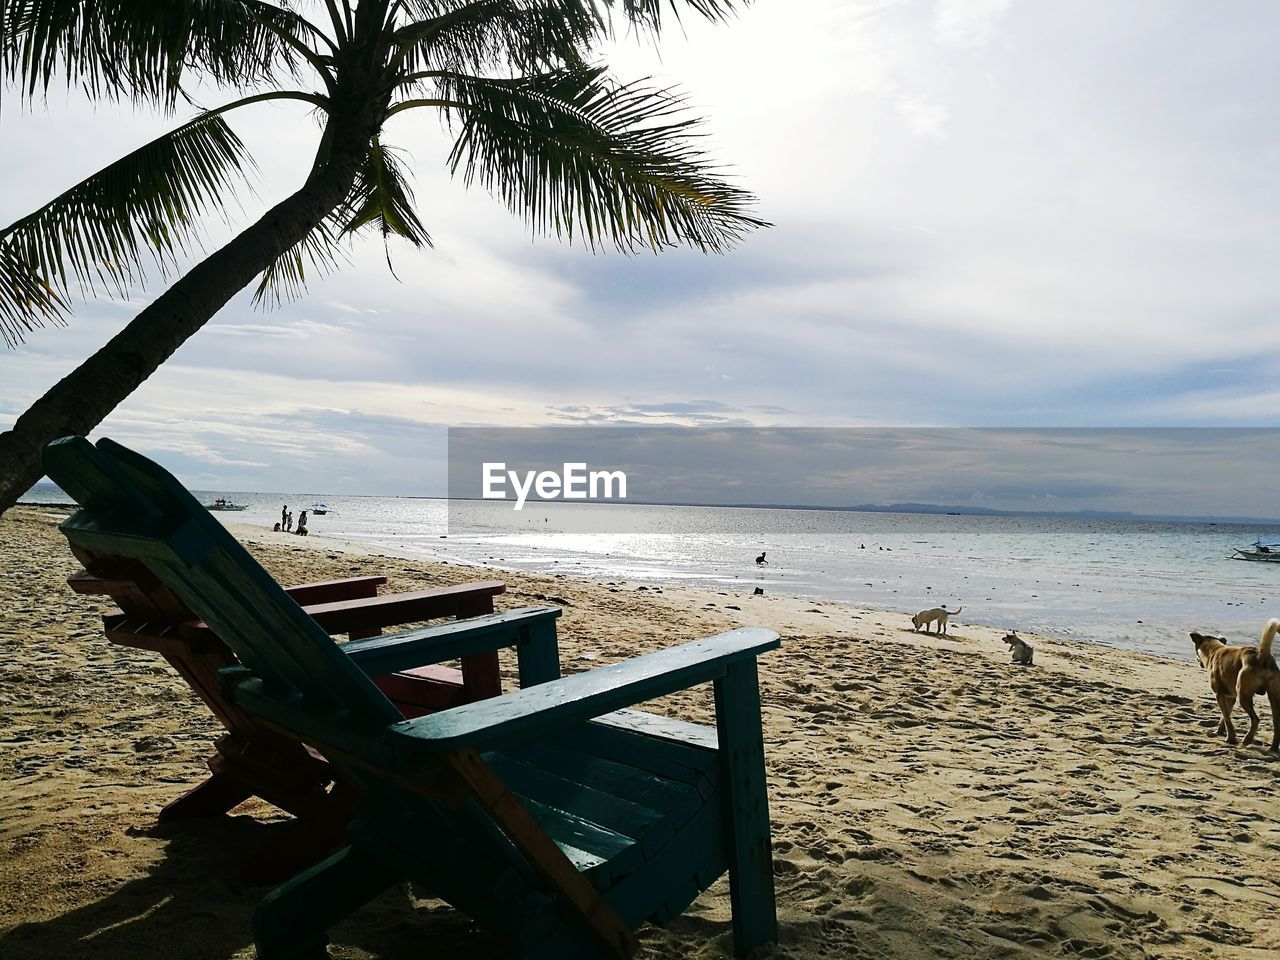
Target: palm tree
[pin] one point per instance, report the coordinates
(577, 153)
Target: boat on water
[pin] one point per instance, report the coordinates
(1265, 551)
(223, 504)
(319, 509)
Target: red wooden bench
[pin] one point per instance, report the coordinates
(250, 759)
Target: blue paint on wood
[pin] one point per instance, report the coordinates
(662, 728)
(674, 876)
(378, 656)
(599, 773)
(619, 814)
(539, 654)
(746, 807)
(524, 714)
(670, 759)
(298, 913)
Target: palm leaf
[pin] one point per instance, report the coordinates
(528, 35)
(648, 13)
(382, 197)
(519, 35)
(286, 278)
(579, 155)
(142, 208)
(26, 301)
(142, 49)
(645, 14)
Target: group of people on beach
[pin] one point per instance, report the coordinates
(286, 522)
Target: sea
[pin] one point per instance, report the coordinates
(1131, 584)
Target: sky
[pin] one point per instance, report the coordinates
(1059, 213)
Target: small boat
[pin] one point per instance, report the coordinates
(1267, 552)
(319, 509)
(223, 504)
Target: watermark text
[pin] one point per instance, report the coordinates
(573, 482)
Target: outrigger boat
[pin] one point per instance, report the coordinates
(319, 509)
(224, 504)
(1267, 552)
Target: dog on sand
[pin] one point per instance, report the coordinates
(1023, 652)
(1241, 673)
(937, 616)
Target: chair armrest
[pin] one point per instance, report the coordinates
(534, 711)
(530, 629)
(374, 613)
(327, 591)
(528, 626)
(371, 614)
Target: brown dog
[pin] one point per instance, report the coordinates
(1022, 652)
(1240, 673)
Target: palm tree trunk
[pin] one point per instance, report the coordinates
(84, 398)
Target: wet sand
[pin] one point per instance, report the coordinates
(928, 798)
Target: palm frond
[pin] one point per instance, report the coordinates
(647, 15)
(286, 278)
(142, 49)
(518, 35)
(26, 301)
(579, 155)
(382, 197)
(144, 207)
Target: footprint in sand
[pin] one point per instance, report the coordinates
(1219, 931)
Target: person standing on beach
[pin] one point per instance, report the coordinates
(284, 515)
(302, 523)
(288, 522)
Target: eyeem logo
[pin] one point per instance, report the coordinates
(575, 482)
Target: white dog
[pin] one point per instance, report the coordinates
(938, 615)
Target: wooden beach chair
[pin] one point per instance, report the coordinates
(551, 815)
(251, 759)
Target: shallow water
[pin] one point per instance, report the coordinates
(1134, 585)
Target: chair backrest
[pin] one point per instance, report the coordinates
(132, 507)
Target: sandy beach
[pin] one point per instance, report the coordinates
(928, 798)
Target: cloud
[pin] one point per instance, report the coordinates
(685, 413)
(984, 213)
(967, 23)
(923, 118)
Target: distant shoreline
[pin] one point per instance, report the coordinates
(910, 509)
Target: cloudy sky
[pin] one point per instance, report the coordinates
(986, 213)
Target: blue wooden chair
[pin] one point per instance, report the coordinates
(551, 815)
